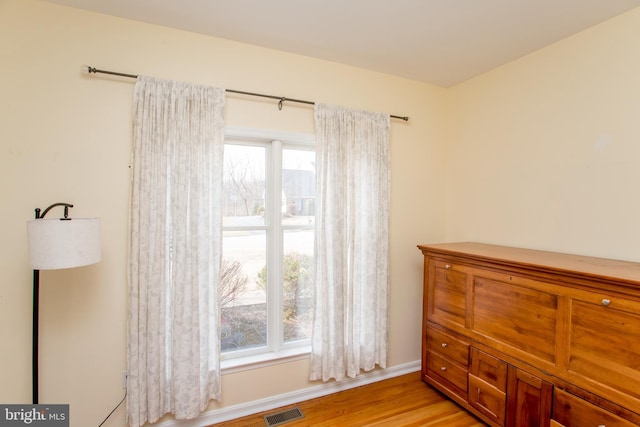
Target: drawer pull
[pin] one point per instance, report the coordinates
(444, 345)
(443, 368)
(447, 266)
(605, 302)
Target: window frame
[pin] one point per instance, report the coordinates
(276, 350)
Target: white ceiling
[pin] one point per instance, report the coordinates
(442, 42)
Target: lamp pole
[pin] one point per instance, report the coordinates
(36, 309)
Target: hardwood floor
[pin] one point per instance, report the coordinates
(399, 402)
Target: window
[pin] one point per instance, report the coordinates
(268, 243)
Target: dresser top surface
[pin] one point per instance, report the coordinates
(608, 269)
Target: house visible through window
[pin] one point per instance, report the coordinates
(268, 246)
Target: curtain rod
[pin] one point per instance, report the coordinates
(281, 99)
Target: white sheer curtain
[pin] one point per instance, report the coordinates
(174, 250)
(352, 217)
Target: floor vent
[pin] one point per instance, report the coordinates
(282, 417)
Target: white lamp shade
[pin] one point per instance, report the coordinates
(56, 243)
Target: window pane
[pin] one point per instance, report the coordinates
(248, 237)
(244, 185)
(298, 274)
(243, 292)
(298, 187)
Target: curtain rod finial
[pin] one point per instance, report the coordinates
(87, 69)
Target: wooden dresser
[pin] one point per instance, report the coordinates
(531, 338)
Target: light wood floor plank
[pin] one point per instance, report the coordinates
(404, 401)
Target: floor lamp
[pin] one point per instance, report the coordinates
(56, 244)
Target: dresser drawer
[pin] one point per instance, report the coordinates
(448, 346)
(572, 411)
(441, 368)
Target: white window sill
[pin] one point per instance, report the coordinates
(265, 359)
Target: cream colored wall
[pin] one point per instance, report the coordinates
(545, 151)
(65, 136)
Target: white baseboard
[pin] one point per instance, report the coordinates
(236, 411)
